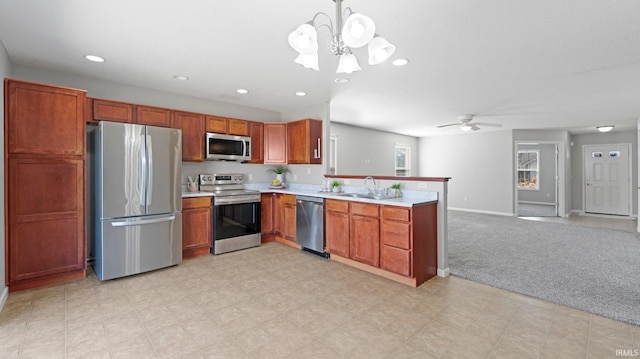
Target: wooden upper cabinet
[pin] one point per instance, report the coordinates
(192, 126)
(304, 141)
(153, 116)
(216, 124)
(238, 127)
(44, 120)
(104, 110)
(229, 126)
(256, 132)
(275, 139)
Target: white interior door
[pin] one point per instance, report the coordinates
(607, 179)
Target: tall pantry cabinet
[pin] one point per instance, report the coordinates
(44, 184)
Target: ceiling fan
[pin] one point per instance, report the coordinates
(466, 124)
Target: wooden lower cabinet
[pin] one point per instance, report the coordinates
(46, 221)
(266, 217)
(364, 233)
(337, 227)
(399, 243)
(289, 214)
(197, 226)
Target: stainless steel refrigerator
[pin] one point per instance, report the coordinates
(138, 199)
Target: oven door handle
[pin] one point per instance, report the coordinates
(220, 201)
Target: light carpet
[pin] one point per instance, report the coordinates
(592, 269)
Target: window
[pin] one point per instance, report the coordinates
(403, 160)
(528, 169)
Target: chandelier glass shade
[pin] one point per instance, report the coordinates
(357, 31)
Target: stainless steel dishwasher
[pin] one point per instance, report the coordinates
(310, 224)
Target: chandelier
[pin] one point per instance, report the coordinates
(358, 30)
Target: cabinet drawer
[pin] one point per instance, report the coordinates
(197, 202)
(396, 260)
(396, 234)
(289, 199)
(396, 213)
(364, 209)
(336, 206)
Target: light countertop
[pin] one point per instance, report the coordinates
(408, 199)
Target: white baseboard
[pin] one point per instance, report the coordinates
(481, 211)
(3, 297)
(540, 203)
(444, 272)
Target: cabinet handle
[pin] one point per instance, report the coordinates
(316, 152)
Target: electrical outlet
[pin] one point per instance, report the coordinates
(422, 185)
(346, 181)
(250, 177)
(308, 170)
(295, 178)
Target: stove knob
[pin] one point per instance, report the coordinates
(209, 178)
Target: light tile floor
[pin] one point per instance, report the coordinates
(277, 302)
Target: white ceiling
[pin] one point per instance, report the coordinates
(543, 64)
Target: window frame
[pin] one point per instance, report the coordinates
(537, 170)
(407, 160)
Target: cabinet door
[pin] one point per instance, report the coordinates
(304, 141)
(396, 260)
(153, 116)
(278, 214)
(46, 218)
(216, 124)
(113, 111)
(256, 131)
(196, 229)
(238, 127)
(364, 241)
(44, 120)
(337, 233)
(275, 138)
(192, 126)
(266, 214)
(289, 206)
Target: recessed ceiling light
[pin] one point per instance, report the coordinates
(242, 91)
(181, 77)
(94, 58)
(301, 93)
(400, 62)
(341, 80)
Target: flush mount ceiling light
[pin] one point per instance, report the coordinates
(94, 58)
(180, 77)
(301, 93)
(606, 128)
(242, 91)
(357, 31)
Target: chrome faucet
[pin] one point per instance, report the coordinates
(375, 186)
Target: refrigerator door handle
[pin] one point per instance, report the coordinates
(149, 170)
(143, 221)
(142, 171)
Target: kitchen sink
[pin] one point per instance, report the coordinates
(357, 195)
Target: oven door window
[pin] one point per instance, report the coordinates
(234, 220)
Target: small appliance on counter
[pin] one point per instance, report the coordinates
(236, 218)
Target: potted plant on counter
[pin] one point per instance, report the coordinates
(279, 170)
(395, 188)
(335, 186)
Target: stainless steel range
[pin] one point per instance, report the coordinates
(236, 219)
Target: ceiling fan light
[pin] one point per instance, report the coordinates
(466, 127)
(309, 61)
(379, 50)
(606, 128)
(358, 30)
(347, 64)
(304, 39)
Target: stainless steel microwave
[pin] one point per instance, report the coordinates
(228, 147)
